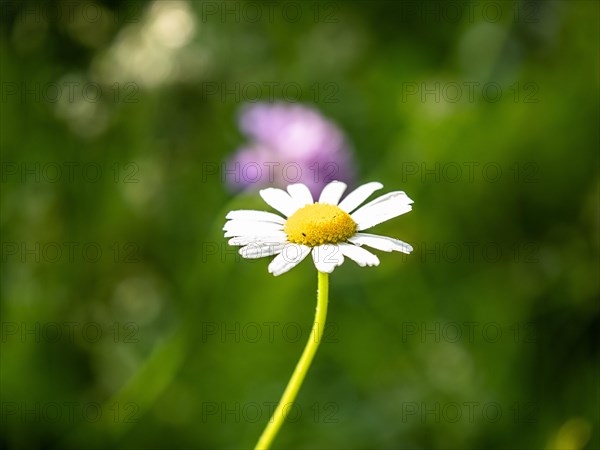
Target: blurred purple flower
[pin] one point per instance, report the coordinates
(289, 143)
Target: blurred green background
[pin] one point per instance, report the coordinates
(127, 322)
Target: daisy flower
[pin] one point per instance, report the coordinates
(329, 229)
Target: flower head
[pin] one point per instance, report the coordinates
(289, 143)
(330, 229)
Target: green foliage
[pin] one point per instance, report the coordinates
(127, 322)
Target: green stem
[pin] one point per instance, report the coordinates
(289, 395)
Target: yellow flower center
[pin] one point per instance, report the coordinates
(319, 223)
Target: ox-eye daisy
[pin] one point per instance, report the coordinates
(328, 228)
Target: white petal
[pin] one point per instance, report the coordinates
(382, 209)
(277, 234)
(332, 193)
(300, 193)
(280, 200)
(359, 255)
(383, 243)
(245, 227)
(253, 237)
(260, 250)
(270, 239)
(258, 216)
(327, 257)
(388, 196)
(290, 256)
(359, 195)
